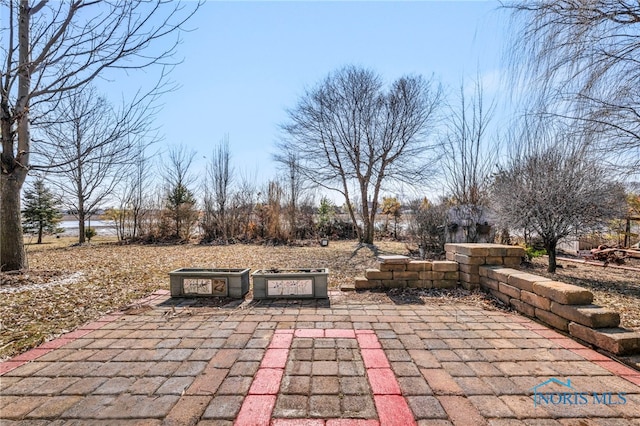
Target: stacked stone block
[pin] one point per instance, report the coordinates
(471, 256)
(401, 272)
(565, 307)
(562, 306)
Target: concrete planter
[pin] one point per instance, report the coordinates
(290, 283)
(201, 282)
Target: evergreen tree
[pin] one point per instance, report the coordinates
(326, 213)
(181, 206)
(41, 214)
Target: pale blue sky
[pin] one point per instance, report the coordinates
(246, 62)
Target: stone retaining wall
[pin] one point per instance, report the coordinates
(563, 306)
(471, 256)
(401, 271)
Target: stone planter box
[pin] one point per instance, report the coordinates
(290, 283)
(202, 282)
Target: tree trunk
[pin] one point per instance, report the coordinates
(15, 164)
(40, 230)
(395, 228)
(550, 246)
(12, 254)
(81, 218)
(627, 233)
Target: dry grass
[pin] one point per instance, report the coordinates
(615, 288)
(112, 276)
(80, 283)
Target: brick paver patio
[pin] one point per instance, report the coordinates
(325, 362)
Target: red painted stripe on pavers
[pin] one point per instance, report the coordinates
(352, 422)
(309, 332)
(359, 331)
(266, 381)
(281, 341)
(275, 358)
(340, 333)
(635, 379)
(110, 318)
(393, 410)
(461, 411)
(55, 343)
(374, 358)
(32, 354)
(297, 422)
(256, 410)
(77, 334)
(162, 291)
(368, 341)
(383, 381)
(7, 366)
(93, 325)
(616, 368)
(590, 354)
(284, 331)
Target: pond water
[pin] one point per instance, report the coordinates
(103, 227)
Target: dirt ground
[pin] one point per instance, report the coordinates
(70, 285)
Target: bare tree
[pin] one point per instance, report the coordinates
(290, 164)
(133, 196)
(242, 206)
(552, 187)
(88, 148)
(582, 57)
(352, 135)
(50, 48)
(217, 193)
(469, 157)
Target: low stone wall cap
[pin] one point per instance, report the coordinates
(394, 259)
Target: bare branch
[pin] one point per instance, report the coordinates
(351, 133)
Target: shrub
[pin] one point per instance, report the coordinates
(533, 252)
(89, 233)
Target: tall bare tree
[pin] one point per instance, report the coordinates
(582, 57)
(353, 135)
(49, 48)
(242, 206)
(217, 193)
(88, 147)
(289, 162)
(552, 187)
(469, 156)
(133, 195)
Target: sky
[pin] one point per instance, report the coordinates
(245, 62)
